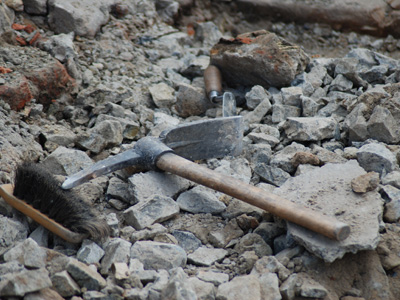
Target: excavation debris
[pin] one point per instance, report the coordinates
(328, 190)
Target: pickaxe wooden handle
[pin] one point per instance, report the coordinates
(275, 204)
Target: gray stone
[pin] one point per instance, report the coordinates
(191, 101)
(82, 17)
(206, 256)
(382, 126)
(41, 236)
(35, 7)
(147, 234)
(310, 129)
(207, 33)
(113, 223)
(178, 287)
(309, 106)
(284, 158)
(27, 281)
(28, 253)
(64, 161)
(239, 288)
(287, 254)
(162, 94)
(130, 128)
(253, 242)
(7, 16)
(90, 252)
(59, 135)
(268, 231)
(271, 174)
(145, 185)
(85, 276)
(255, 96)
(120, 270)
(213, 276)
(292, 96)
(255, 116)
(312, 290)
(10, 267)
(262, 138)
(64, 284)
(200, 200)
(341, 83)
(343, 205)
(116, 250)
(194, 67)
(12, 232)
(269, 264)
(392, 208)
(375, 75)
(356, 123)
(105, 134)
(237, 60)
(325, 156)
(393, 178)
(187, 240)
(203, 290)
(290, 287)
(221, 238)
(156, 256)
(118, 189)
(155, 209)
(269, 284)
(283, 112)
(377, 158)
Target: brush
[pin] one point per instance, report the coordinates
(38, 194)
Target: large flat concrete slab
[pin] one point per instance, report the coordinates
(328, 190)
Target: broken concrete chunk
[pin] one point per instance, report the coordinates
(156, 256)
(237, 57)
(90, 252)
(116, 250)
(65, 285)
(12, 232)
(28, 253)
(178, 286)
(312, 190)
(310, 129)
(241, 287)
(191, 101)
(200, 200)
(271, 174)
(155, 209)
(187, 240)
(145, 185)
(85, 276)
(253, 242)
(269, 284)
(382, 126)
(83, 17)
(292, 96)
(162, 94)
(204, 290)
(27, 281)
(64, 161)
(283, 112)
(204, 256)
(376, 157)
(256, 95)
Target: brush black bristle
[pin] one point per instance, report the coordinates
(39, 188)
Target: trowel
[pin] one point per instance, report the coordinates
(173, 151)
(213, 85)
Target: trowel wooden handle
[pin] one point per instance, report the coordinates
(275, 204)
(212, 79)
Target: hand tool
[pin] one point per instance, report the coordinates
(202, 140)
(37, 194)
(213, 84)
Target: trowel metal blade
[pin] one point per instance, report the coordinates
(206, 138)
(228, 105)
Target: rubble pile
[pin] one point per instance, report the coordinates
(100, 75)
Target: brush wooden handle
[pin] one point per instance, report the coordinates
(6, 192)
(212, 80)
(275, 204)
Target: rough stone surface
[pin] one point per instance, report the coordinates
(250, 45)
(116, 250)
(156, 256)
(206, 256)
(310, 129)
(85, 276)
(377, 158)
(241, 287)
(146, 213)
(200, 200)
(312, 190)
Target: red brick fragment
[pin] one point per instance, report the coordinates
(16, 92)
(4, 70)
